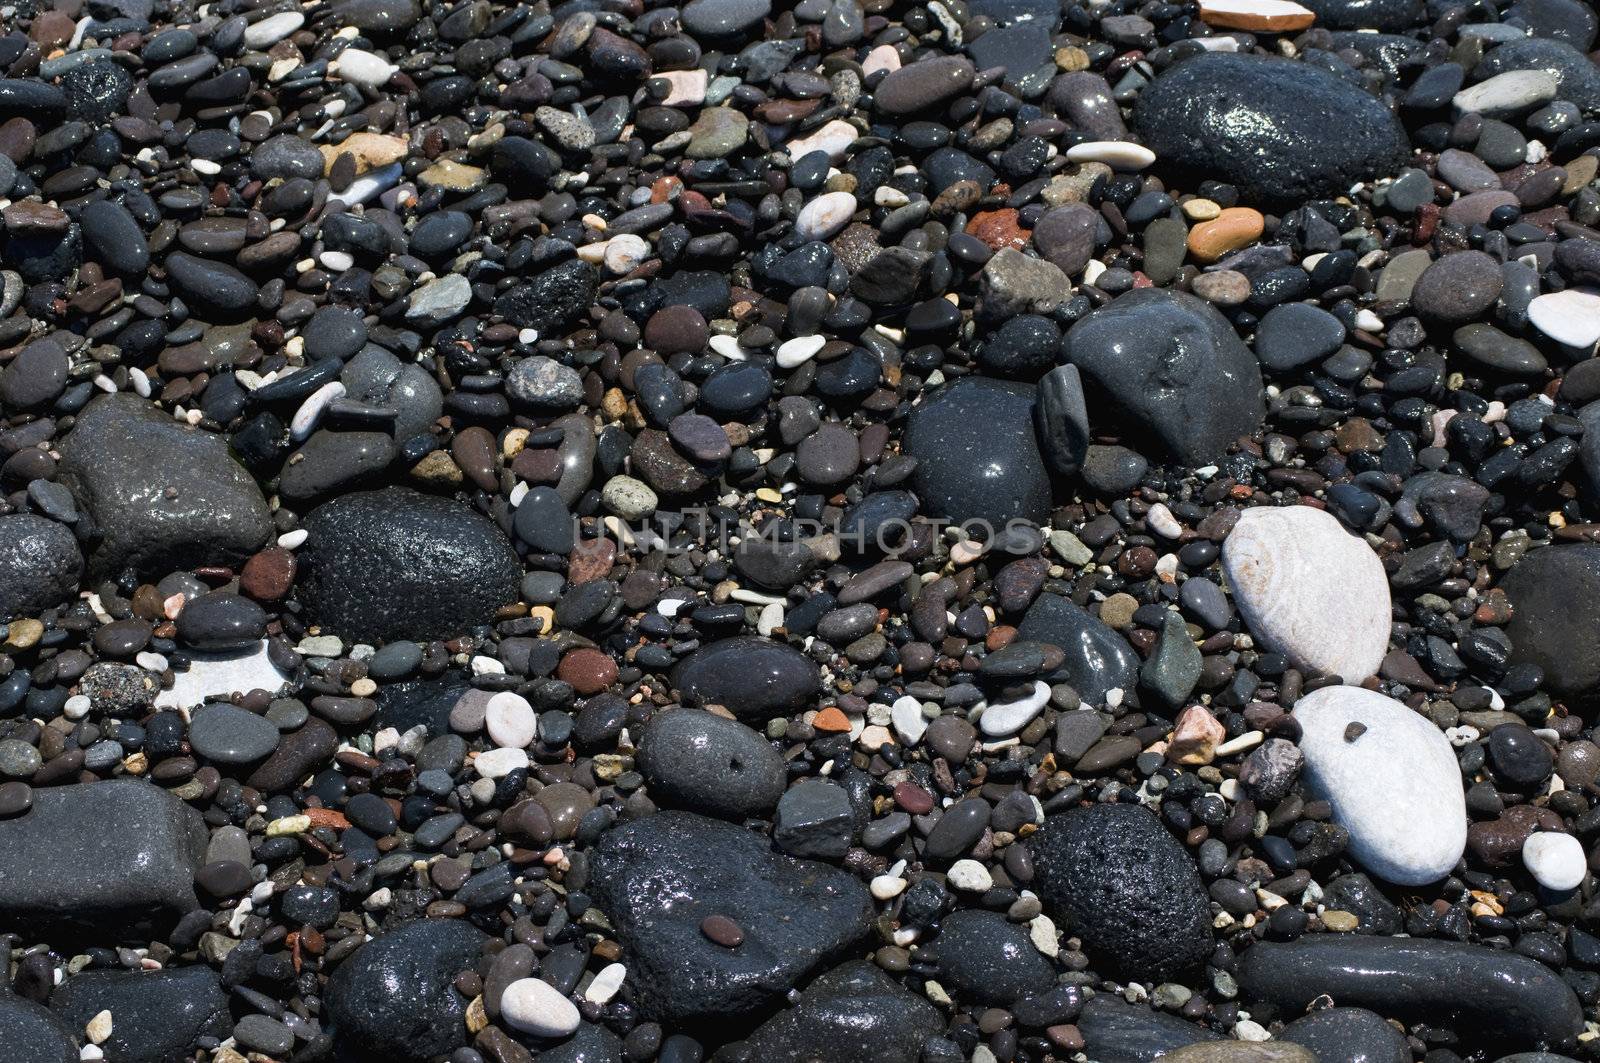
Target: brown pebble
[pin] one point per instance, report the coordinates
(723, 931)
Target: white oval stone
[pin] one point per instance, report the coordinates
(510, 720)
(970, 876)
(1009, 717)
(799, 351)
(1557, 861)
(363, 68)
(1392, 779)
(1117, 154)
(625, 253)
(825, 216)
(498, 763)
(1571, 317)
(1310, 590)
(534, 1006)
(834, 138)
(606, 983)
(688, 87)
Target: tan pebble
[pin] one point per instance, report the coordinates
(1230, 230)
(99, 1028)
(545, 613)
(1198, 209)
(1339, 922)
(1071, 59)
(363, 688)
(513, 443)
(437, 467)
(23, 634)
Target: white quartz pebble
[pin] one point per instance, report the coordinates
(1571, 317)
(1392, 779)
(1557, 861)
(1117, 154)
(532, 1005)
(1009, 717)
(510, 720)
(825, 216)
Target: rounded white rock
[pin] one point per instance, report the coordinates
(498, 763)
(1310, 590)
(1557, 861)
(909, 723)
(272, 29)
(363, 68)
(1009, 717)
(824, 216)
(1571, 317)
(510, 720)
(532, 1005)
(1391, 778)
(799, 351)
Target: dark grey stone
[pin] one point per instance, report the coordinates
(39, 564)
(1309, 132)
(1098, 659)
(753, 678)
(709, 764)
(1348, 1035)
(814, 820)
(157, 1016)
(990, 959)
(977, 458)
(853, 1012)
(162, 495)
(393, 999)
(396, 564)
(106, 857)
(1498, 997)
(1555, 610)
(1169, 370)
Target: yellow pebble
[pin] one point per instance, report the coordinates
(1200, 209)
(278, 828)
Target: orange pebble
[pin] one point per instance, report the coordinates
(830, 720)
(1230, 230)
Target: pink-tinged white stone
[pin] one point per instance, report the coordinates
(688, 87)
(825, 216)
(883, 57)
(834, 138)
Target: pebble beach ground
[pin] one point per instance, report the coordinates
(977, 530)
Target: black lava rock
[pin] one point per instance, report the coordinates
(1555, 603)
(855, 1011)
(39, 564)
(157, 1016)
(1127, 888)
(753, 678)
(977, 458)
(396, 564)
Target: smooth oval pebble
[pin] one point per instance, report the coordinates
(1392, 779)
(1310, 590)
(1556, 860)
(534, 1006)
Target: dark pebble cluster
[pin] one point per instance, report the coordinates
(967, 530)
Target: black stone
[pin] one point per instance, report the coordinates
(977, 459)
(659, 877)
(753, 678)
(1127, 887)
(394, 999)
(396, 564)
(1282, 131)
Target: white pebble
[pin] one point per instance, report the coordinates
(834, 138)
(887, 887)
(534, 1006)
(1571, 317)
(1117, 154)
(291, 540)
(1557, 861)
(909, 723)
(825, 216)
(272, 29)
(606, 984)
(969, 875)
(510, 720)
(1515, 90)
(310, 412)
(624, 254)
(498, 763)
(1009, 717)
(1162, 522)
(799, 351)
(363, 68)
(337, 261)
